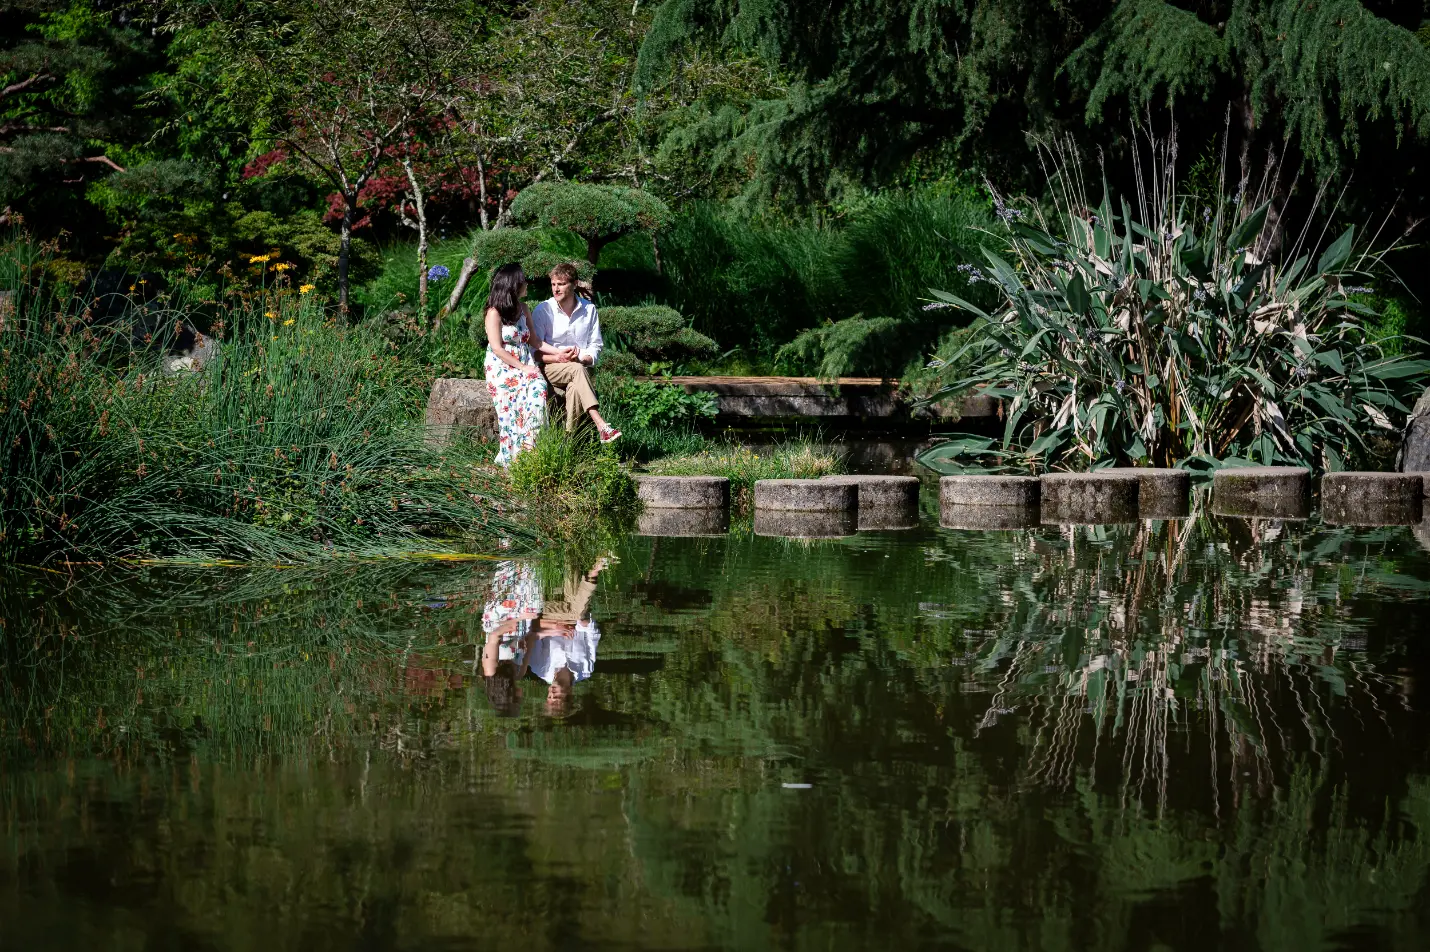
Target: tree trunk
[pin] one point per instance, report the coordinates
(345, 244)
(464, 277)
(421, 207)
(482, 191)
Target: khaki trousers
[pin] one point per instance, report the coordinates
(575, 603)
(573, 382)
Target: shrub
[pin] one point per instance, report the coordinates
(654, 333)
(1163, 338)
(572, 484)
(599, 214)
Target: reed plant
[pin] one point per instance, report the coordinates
(298, 440)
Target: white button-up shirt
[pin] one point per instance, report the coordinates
(582, 329)
(576, 651)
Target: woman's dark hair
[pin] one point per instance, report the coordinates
(505, 293)
(502, 692)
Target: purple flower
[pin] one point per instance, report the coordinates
(437, 272)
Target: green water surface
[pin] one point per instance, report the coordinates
(1206, 733)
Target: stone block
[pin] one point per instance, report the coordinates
(804, 495)
(882, 492)
(1017, 491)
(683, 492)
(1161, 493)
(958, 516)
(1276, 492)
(683, 522)
(457, 405)
(1089, 498)
(1371, 499)
(805, 525)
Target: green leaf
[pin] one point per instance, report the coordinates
(1338, 253)
(1077, 296)
(1249, 229)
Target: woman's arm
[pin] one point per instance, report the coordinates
(494, 341)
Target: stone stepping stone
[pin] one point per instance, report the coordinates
(683, 522)
(683, 492)
(1273, 492)
(1089, 498)
(989, 490)
(795, 524)
(1372, 499)
(1161, 493)
(887, 518)
(805, 495)
(882, 492)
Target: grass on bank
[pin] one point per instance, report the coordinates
(743, 465)
(300, 440)
(572, 485)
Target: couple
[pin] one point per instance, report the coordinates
(556, 640)
(564, 333)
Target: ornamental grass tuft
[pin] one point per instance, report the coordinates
(1175, 331)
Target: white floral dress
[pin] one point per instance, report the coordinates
(520, 401)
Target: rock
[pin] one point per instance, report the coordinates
(1279, 492)
(683, 522)
(1371, 499)
(1089, 498)
(882, 492)
(1415, 448)
(683, 492)
(1161, 493)
(805, 525)
(203, 352)
(460, 406)
(805, 495)
(1021, 491)
(958, 516)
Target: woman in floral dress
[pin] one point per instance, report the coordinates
(514, 379)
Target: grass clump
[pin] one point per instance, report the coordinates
(743, 465)
(571, 484)
(298, 440)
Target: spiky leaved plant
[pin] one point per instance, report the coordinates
(1174, 333)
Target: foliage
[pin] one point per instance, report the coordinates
(572, 484)
(744, 465)
(872, 88)
(654, 333)
(531, 248)
(656, 404)
(599, 214)
(746, 284)
(1158, 335)
(298, 440)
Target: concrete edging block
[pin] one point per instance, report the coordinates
(988, 490)
(805, 495)
(882, 492)
(1279, 492)
(1089, 498)
(683, 492)
(1371, 499)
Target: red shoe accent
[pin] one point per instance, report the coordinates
(610, 436)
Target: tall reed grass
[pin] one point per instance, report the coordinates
(299, 440)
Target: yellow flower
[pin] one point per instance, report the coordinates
(133, 287)
(306, 288)
(270, 315)
(282, 266)
(259, 258)
(288, 323)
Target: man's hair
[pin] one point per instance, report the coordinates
(565, 270)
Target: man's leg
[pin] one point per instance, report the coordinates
(580, 397)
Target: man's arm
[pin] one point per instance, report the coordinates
(592, 351)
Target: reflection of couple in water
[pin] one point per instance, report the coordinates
(555, 639)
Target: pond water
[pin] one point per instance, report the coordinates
(1187, 734)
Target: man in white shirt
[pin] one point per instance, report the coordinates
(570, 325)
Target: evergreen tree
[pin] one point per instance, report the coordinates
(875, 84)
